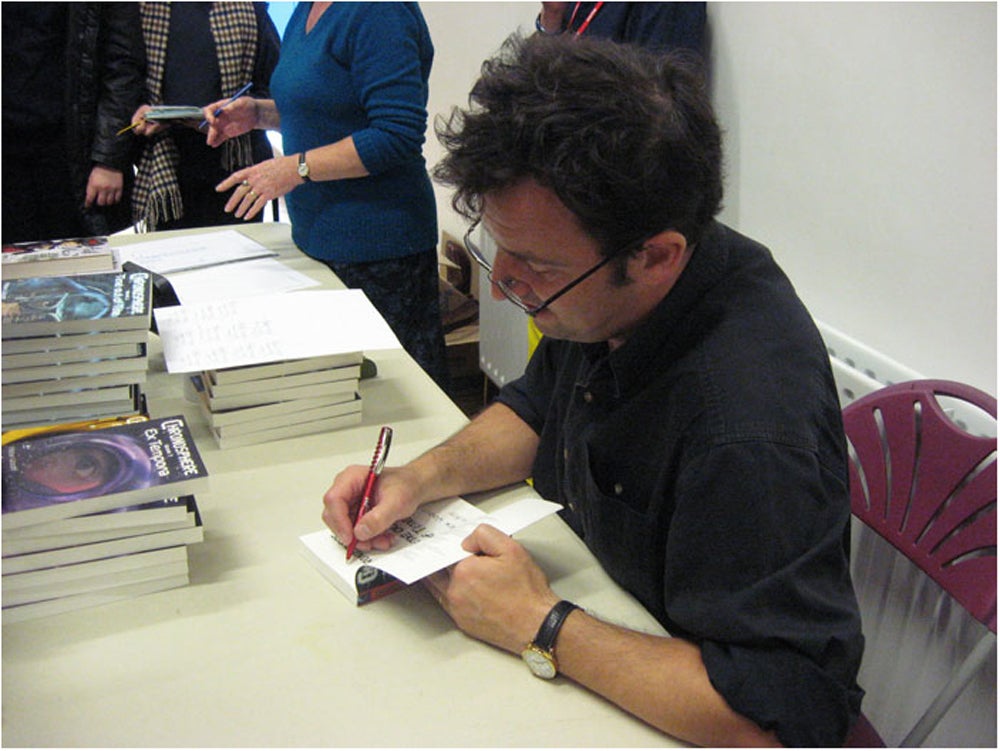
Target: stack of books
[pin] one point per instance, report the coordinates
(275, 366)
(74, 347)
(74, 255)
(95, 516)
(253, 404)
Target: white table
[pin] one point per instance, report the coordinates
(259, 650)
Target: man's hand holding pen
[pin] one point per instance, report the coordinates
(393, 500)
(149, 128)
(498, 595)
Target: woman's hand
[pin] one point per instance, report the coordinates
(234, 119)
(259, 184)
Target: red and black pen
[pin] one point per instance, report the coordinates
(378, 462)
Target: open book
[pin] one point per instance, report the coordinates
(427, 542)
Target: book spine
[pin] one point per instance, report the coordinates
(373, 584)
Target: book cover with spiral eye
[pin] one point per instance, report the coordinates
(57, 476)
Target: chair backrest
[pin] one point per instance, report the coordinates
(928, 488)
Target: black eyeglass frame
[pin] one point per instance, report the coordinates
(479, 257)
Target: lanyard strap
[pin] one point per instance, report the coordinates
(587, 20)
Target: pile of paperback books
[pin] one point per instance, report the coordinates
(97, 514)
(74, 347)
(264, 402)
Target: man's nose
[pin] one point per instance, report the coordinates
(504, 270)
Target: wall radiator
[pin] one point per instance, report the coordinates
(858, 370)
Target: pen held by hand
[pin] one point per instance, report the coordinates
(127, 128)
(218, 110)
(378, 463)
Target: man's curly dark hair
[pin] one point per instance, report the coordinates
(626, 138)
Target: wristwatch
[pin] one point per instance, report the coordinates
(540, 655)
(303, 167)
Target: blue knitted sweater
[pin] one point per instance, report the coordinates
(362, 70)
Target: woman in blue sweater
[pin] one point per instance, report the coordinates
(350, 99)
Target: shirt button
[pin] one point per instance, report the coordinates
(619, 489)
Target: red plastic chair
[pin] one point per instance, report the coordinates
(929, 488)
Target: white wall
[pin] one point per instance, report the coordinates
(861, 148)
(464, 34)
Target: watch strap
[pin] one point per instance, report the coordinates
(549, 630)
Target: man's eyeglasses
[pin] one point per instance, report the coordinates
(504, 285)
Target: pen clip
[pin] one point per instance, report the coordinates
(381, 450)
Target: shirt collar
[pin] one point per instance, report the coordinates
(658, 333)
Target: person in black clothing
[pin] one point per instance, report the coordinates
(661, 27)
(198, 52)
(72, 76)
(680, 407)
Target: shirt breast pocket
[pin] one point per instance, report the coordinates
(622, 529)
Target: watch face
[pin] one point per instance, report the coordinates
(304, 170)
(540, 663)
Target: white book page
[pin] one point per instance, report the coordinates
(431, 539)
(265, 328)
(193, 251)
(261, 276)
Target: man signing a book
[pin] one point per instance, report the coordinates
(680, 407)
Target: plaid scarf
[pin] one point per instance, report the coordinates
(156, 197)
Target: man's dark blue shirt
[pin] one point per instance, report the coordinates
(704, 464)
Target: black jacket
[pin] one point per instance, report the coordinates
(106, 71)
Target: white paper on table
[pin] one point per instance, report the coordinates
(432, 538)
(261, 276)
(193, 251)
(266, 328)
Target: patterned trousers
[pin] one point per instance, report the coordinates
(405, 291)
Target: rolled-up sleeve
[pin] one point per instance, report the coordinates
(777, 627)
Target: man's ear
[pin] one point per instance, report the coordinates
(662, 257)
